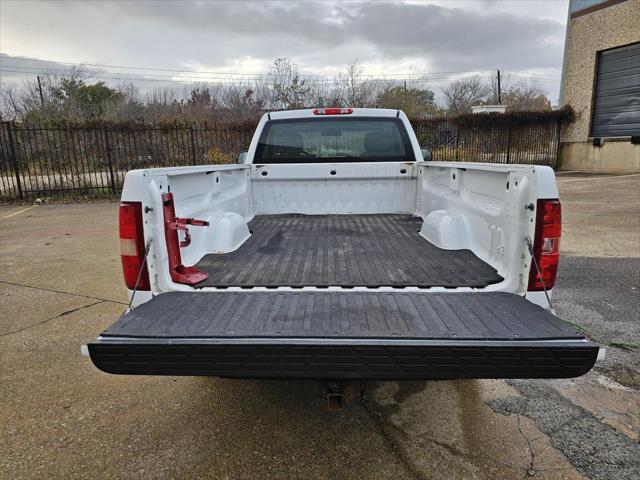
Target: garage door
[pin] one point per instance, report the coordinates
(616, 107)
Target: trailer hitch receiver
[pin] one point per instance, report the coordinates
(339, 395)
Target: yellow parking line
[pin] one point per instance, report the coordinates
(18, 212)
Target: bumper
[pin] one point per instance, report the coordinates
(344, 359)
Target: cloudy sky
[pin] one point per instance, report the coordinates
(234, 39)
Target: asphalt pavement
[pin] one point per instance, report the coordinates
(60, 286)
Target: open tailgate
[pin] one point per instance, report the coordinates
(336, 335)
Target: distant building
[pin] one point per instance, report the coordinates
(601, 81)
(488, 108)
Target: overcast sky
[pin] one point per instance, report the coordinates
(245, 37)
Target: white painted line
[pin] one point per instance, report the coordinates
(597, 178)
(18, 212)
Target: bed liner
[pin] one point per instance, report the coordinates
(343, 250)
(415, 315)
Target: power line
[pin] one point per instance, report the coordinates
(324, 81)
(372, 82)
(245, 79)
(123, 67)
(156, 77)
(36, 70)
(204, 72)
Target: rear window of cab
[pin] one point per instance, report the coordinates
(334, 139)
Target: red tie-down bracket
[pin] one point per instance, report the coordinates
(172, 224)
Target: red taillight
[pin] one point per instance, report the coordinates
(332, 111)
(132, 246)
(546, 245)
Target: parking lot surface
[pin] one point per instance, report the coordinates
(60, 286)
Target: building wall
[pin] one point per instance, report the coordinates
(612, 157)
(615, 25)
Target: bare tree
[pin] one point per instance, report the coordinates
(72, 96)
(353, 89)
(243, 102)
(526, 95)
(523, 95)
(290, 91)
(461, 94)
(64, 96)
(325, 96)
(411, 99)
(12, 106)
(161, 104)
(19, 102)
(127, 106)
(201, 103)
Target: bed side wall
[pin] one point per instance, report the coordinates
(219, 194)
(482, 208)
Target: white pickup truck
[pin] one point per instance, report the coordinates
(334, 251)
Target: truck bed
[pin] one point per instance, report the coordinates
(343, 250)
(418, 335)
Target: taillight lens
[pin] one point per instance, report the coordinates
(546, 245)
(132, 246)
(332, 111)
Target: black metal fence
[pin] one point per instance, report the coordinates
(52, 161)
(535, 143)
(76, 161)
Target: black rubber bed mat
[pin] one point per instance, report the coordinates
(434, 316)
(343, 250)
(336, 335)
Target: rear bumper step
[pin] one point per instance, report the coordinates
(344, 358)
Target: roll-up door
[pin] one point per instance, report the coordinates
(616, 104)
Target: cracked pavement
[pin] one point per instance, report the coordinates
(60, 286)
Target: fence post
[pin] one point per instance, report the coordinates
(509, 144)
(556, 162)
(14, 160)
(457, 143)
(193, 146)
(109, 160)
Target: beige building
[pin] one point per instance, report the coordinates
(601, 81)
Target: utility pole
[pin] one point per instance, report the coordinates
(499, 93)
(40, 89)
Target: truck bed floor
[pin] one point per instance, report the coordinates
(343, 250)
